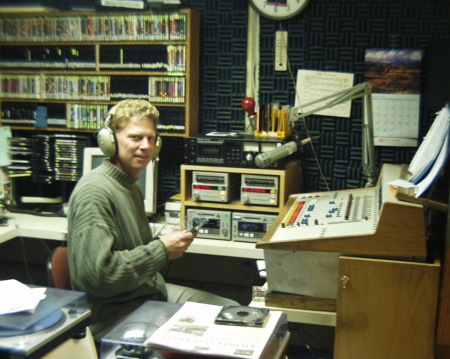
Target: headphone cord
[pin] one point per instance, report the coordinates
(155, 283)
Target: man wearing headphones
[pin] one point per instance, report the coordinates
(112, 255)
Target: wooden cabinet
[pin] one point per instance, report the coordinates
(289, 182)
(386, 309)
(62, 71)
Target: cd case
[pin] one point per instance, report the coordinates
(242, 315)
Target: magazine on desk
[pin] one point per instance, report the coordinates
(192, 331)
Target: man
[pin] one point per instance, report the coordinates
(112, 255)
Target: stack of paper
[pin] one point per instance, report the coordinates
(432, 153)
(17, 297)
(430, 157)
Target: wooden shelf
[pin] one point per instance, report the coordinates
(289, 182)
(92, 56)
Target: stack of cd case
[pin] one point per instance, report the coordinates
(42, 158)
(69, 157)
(47, 158)
(20, 151)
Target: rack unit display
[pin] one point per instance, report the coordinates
(289, 183)
(74, 66)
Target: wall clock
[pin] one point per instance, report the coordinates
(278, 9)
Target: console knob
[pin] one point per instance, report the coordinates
(196, 195)
(249, 157)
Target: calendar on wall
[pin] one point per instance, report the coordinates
(395, 119)
(395, 77)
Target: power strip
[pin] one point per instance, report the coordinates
(281, 45)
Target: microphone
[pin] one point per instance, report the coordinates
(266, 158)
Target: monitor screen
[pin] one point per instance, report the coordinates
(147, 180)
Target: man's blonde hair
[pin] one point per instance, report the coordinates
(132, 110)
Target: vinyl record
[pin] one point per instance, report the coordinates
(52, 320)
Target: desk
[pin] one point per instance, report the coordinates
(8, 232)
(55, 228)
(217, 247)
(302, 315)
(41, 227)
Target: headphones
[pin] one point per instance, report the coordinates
(106, 138)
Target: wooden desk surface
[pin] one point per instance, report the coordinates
(303, 315)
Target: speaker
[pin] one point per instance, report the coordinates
(107, 142)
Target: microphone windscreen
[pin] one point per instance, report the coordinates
(266, 158)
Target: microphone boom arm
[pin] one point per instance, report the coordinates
(368, 148)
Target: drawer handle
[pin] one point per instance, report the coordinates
(345, 281)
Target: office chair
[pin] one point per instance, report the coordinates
(58, 269)
(59, 277)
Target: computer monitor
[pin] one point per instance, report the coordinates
(147, 180)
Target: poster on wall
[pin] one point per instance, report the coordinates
(395, 75)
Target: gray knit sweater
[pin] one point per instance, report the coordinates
(112, 256)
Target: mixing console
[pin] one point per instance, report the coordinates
(330, 214)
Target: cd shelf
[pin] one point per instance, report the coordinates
(95, 27)
(160, 58)
(86, 62)
(167, 89)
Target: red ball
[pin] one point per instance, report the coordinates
(248, 104)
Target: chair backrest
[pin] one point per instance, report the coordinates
(58, 268)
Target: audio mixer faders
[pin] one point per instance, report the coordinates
(330, 214)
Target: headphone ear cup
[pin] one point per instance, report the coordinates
(106, 140)
(157, 148)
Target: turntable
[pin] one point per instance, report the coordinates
(63, 314)
(126, 340)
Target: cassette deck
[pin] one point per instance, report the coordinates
(214, 186)
(250, 227)
(233, 151)
(259, 190)
(218, 225)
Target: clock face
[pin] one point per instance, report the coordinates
(278, 9)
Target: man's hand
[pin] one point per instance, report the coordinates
(177, 242)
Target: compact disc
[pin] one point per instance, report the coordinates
(242, 315)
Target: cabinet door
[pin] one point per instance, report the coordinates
(386, 309)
